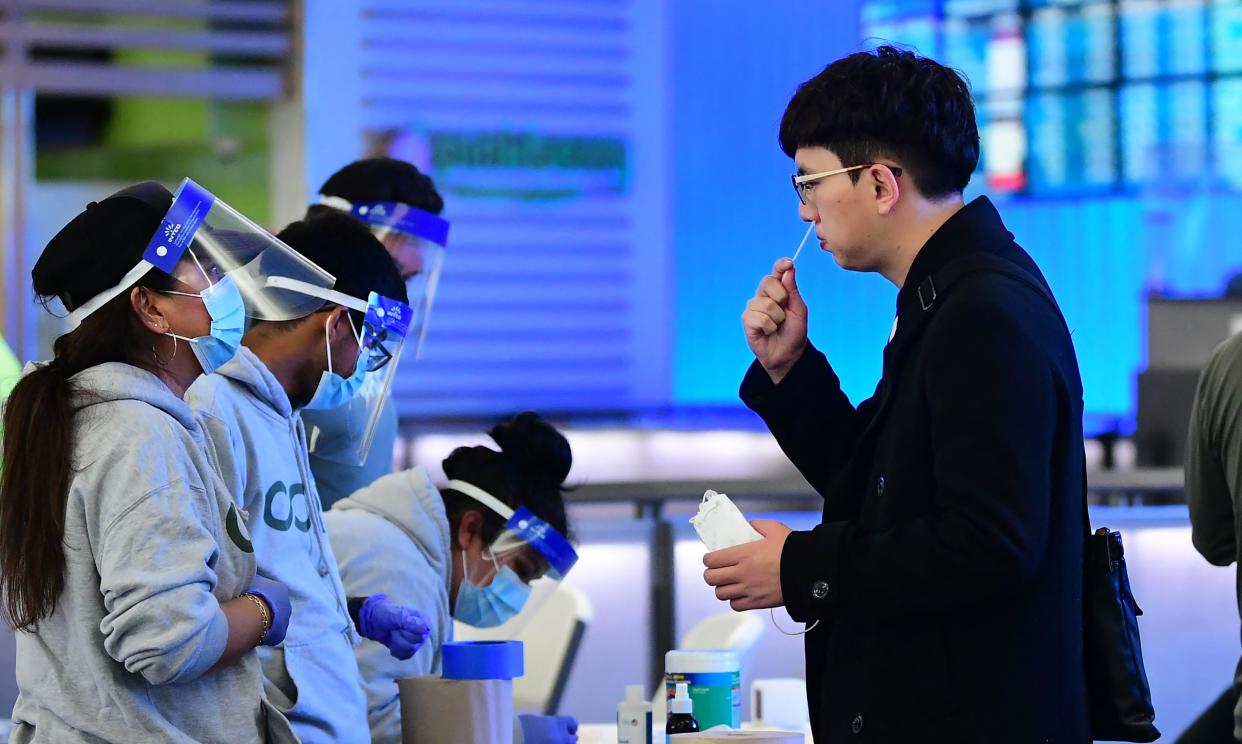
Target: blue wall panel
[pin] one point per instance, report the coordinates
(735, 66)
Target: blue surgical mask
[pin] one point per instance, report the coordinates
(227, 309)
(491, 605)
(333, 390)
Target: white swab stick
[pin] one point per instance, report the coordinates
(806, 235)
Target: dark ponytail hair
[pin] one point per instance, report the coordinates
(38, 452)
(530, 471)
(86, 258)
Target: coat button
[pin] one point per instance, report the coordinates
(879, 486)
(323, 568)
(819, 590)
(856, 725)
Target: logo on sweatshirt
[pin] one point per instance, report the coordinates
(281, 509)
(236, 529)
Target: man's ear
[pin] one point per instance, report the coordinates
(339, 323)
(885, 187)
(148, 307)
(470, 526)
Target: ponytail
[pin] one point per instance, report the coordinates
(38, 457)
(34, 482)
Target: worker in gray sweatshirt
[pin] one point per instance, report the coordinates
(250, 411)
(459, 553)
(400, 205)
(125, 566)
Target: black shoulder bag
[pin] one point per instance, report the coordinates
(1118, 695)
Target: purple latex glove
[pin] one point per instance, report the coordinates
(402, 629)
(549, 729)
(276, 596)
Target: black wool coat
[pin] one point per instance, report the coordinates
(946, 574)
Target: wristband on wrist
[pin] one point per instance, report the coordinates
(264, 613)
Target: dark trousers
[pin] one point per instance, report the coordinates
(1214, 725)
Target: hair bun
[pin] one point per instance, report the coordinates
(535, 447)
(384, 179)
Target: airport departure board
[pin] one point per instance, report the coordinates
(1088, 96)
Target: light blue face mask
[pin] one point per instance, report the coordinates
(333, 390)
(491, 605)
(227, 309)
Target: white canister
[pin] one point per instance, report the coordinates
(715, 683)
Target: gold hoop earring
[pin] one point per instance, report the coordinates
(156, 354)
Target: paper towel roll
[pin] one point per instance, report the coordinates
(730, 737)
(463, 711)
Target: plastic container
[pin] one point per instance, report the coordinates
(634, 717)
(714, 680)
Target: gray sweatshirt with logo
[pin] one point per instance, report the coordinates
(153, 545)
(257, 442)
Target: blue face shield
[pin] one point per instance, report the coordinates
(333, 390)
(529, 544)
(202, 235)
(491, 605)
(349, 408)
(227, 309)
(417, 240)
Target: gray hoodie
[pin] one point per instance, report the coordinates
(256, 441)
(393, 537)
(153, 545)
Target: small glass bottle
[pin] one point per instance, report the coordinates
(681, 713)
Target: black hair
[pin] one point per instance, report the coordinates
(88, 256)
(382, 180)
(346, 249)
(889, 103)
(529, 470)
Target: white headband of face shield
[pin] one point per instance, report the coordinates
(336, 202)
(481, 496)
(331, 295)
(83, 311)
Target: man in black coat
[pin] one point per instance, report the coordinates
(944, 583)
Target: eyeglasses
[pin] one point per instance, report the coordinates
(374, 347)
(804, 184)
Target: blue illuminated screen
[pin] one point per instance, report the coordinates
(1111, 141)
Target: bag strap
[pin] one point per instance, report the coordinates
(931, 293)
(934, 287)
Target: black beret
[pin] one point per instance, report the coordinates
(99, 246)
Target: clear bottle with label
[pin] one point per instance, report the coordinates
(634, 717)
(681, 713)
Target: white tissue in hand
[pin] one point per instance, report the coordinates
(720, 523)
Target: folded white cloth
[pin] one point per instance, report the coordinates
(721, 524)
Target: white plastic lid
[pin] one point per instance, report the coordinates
(681, 702)
(701, 661)
(635, 694)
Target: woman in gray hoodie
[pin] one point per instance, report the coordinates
(432, 550)
(123, 564)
